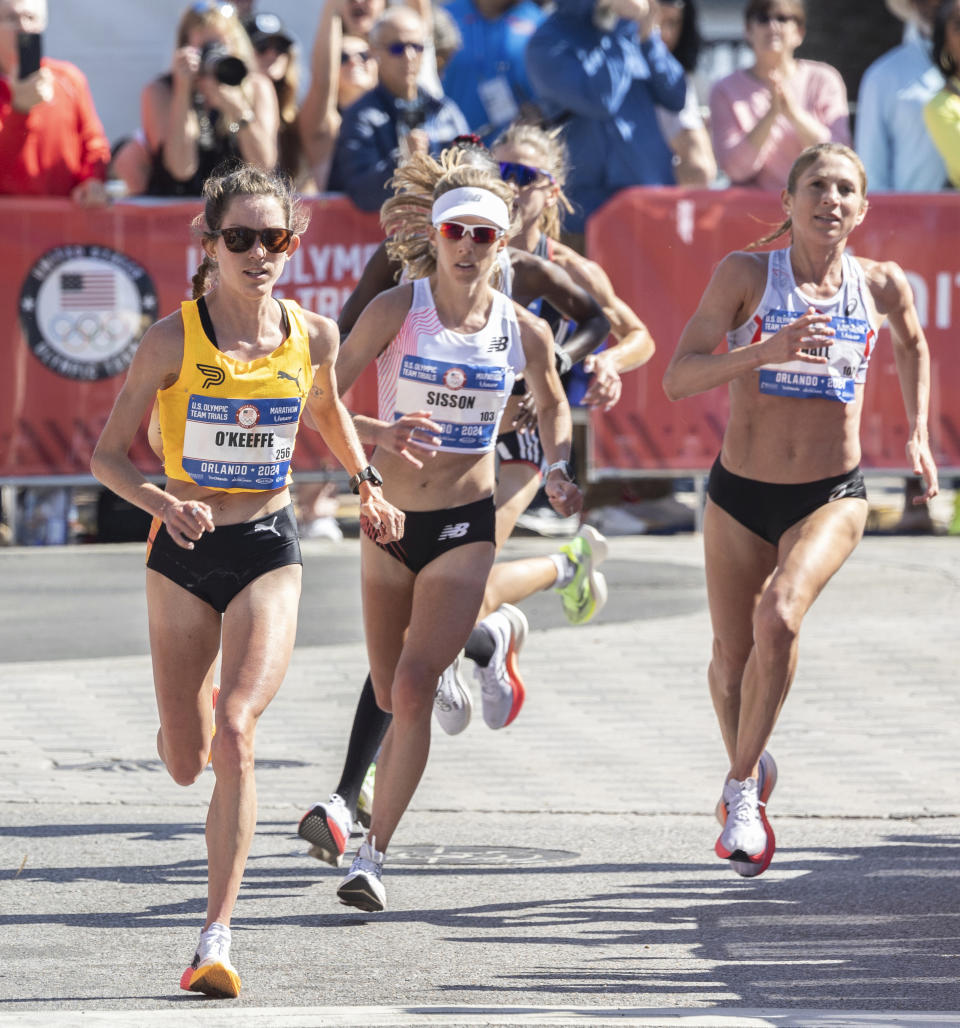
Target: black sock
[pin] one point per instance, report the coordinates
(370, 725)
(480, 646)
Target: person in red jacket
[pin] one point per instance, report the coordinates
(52, 142)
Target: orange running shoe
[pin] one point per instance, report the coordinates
(211, 971)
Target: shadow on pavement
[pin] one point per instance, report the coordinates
(872, 927)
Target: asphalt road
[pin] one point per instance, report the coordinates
(558, 872)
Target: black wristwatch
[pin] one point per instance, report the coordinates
(369, 474)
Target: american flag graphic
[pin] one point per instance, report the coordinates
(87, 291)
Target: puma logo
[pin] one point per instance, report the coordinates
(295, 379)
(262, 527)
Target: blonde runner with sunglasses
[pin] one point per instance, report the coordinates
(232, 372)
(448, 348)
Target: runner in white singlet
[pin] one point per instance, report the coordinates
(786, 501)
(457, 343)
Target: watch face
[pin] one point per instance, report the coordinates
(369, 474)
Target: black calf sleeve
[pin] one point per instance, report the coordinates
(370, 725)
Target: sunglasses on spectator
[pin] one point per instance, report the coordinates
(361, 55)
(276, 43)
(781, 19)
(522, 174)
(483, 235)
(240, 239)
(400, 49)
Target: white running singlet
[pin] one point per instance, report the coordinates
(853, 343)
(464, 380)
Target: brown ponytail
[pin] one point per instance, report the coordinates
(204, 273)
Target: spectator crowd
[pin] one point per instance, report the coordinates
(618, 78)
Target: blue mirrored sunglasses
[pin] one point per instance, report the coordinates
(399, 49)
(522, 174)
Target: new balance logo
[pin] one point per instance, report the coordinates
(457, 531)
(497, 345)
(272, 527)
(212, 375)
(290, 378)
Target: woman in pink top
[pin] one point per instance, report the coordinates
(762, 117)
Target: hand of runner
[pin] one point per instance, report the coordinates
(414, 437)
(385, 520)
(564, 496)
(605, 389)
(794, 342)
(526, 417)
(186, 521)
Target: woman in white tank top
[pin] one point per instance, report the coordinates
(447, 346)
(786, 502)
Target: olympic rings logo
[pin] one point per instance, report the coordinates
(87, 332)
(83, 310)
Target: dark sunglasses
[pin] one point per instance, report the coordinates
(399, 49)
(362, 55)
(483, 235)
(275, 43)
(522, 174)
(240, 239)
(782, 19)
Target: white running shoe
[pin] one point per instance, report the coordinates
(211, 971)
(327, 827)
(501, 687)
(362, 887)
(766, 780)
(453, 704)
(747, 838)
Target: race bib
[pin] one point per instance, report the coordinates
(240, 444)
(466, 399)
(835, 380)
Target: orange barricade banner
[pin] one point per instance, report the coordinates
(87, 284)
(660, 247)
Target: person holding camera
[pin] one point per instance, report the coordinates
(212, 106)
(52, 142)
(396, 119)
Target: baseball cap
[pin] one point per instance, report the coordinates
(265, 28)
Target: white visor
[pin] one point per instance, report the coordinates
(469, 200)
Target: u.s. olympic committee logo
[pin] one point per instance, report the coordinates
(84, 309)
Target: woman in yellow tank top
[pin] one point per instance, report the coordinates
(231, 373)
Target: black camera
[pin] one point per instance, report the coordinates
(217, 61)
(30, 49)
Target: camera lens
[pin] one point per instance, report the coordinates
(216, 60)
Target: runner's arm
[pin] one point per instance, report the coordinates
(894, 298)
(155, 366)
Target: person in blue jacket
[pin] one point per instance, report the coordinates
(600, 68)
(487, 77)
(396, 119)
